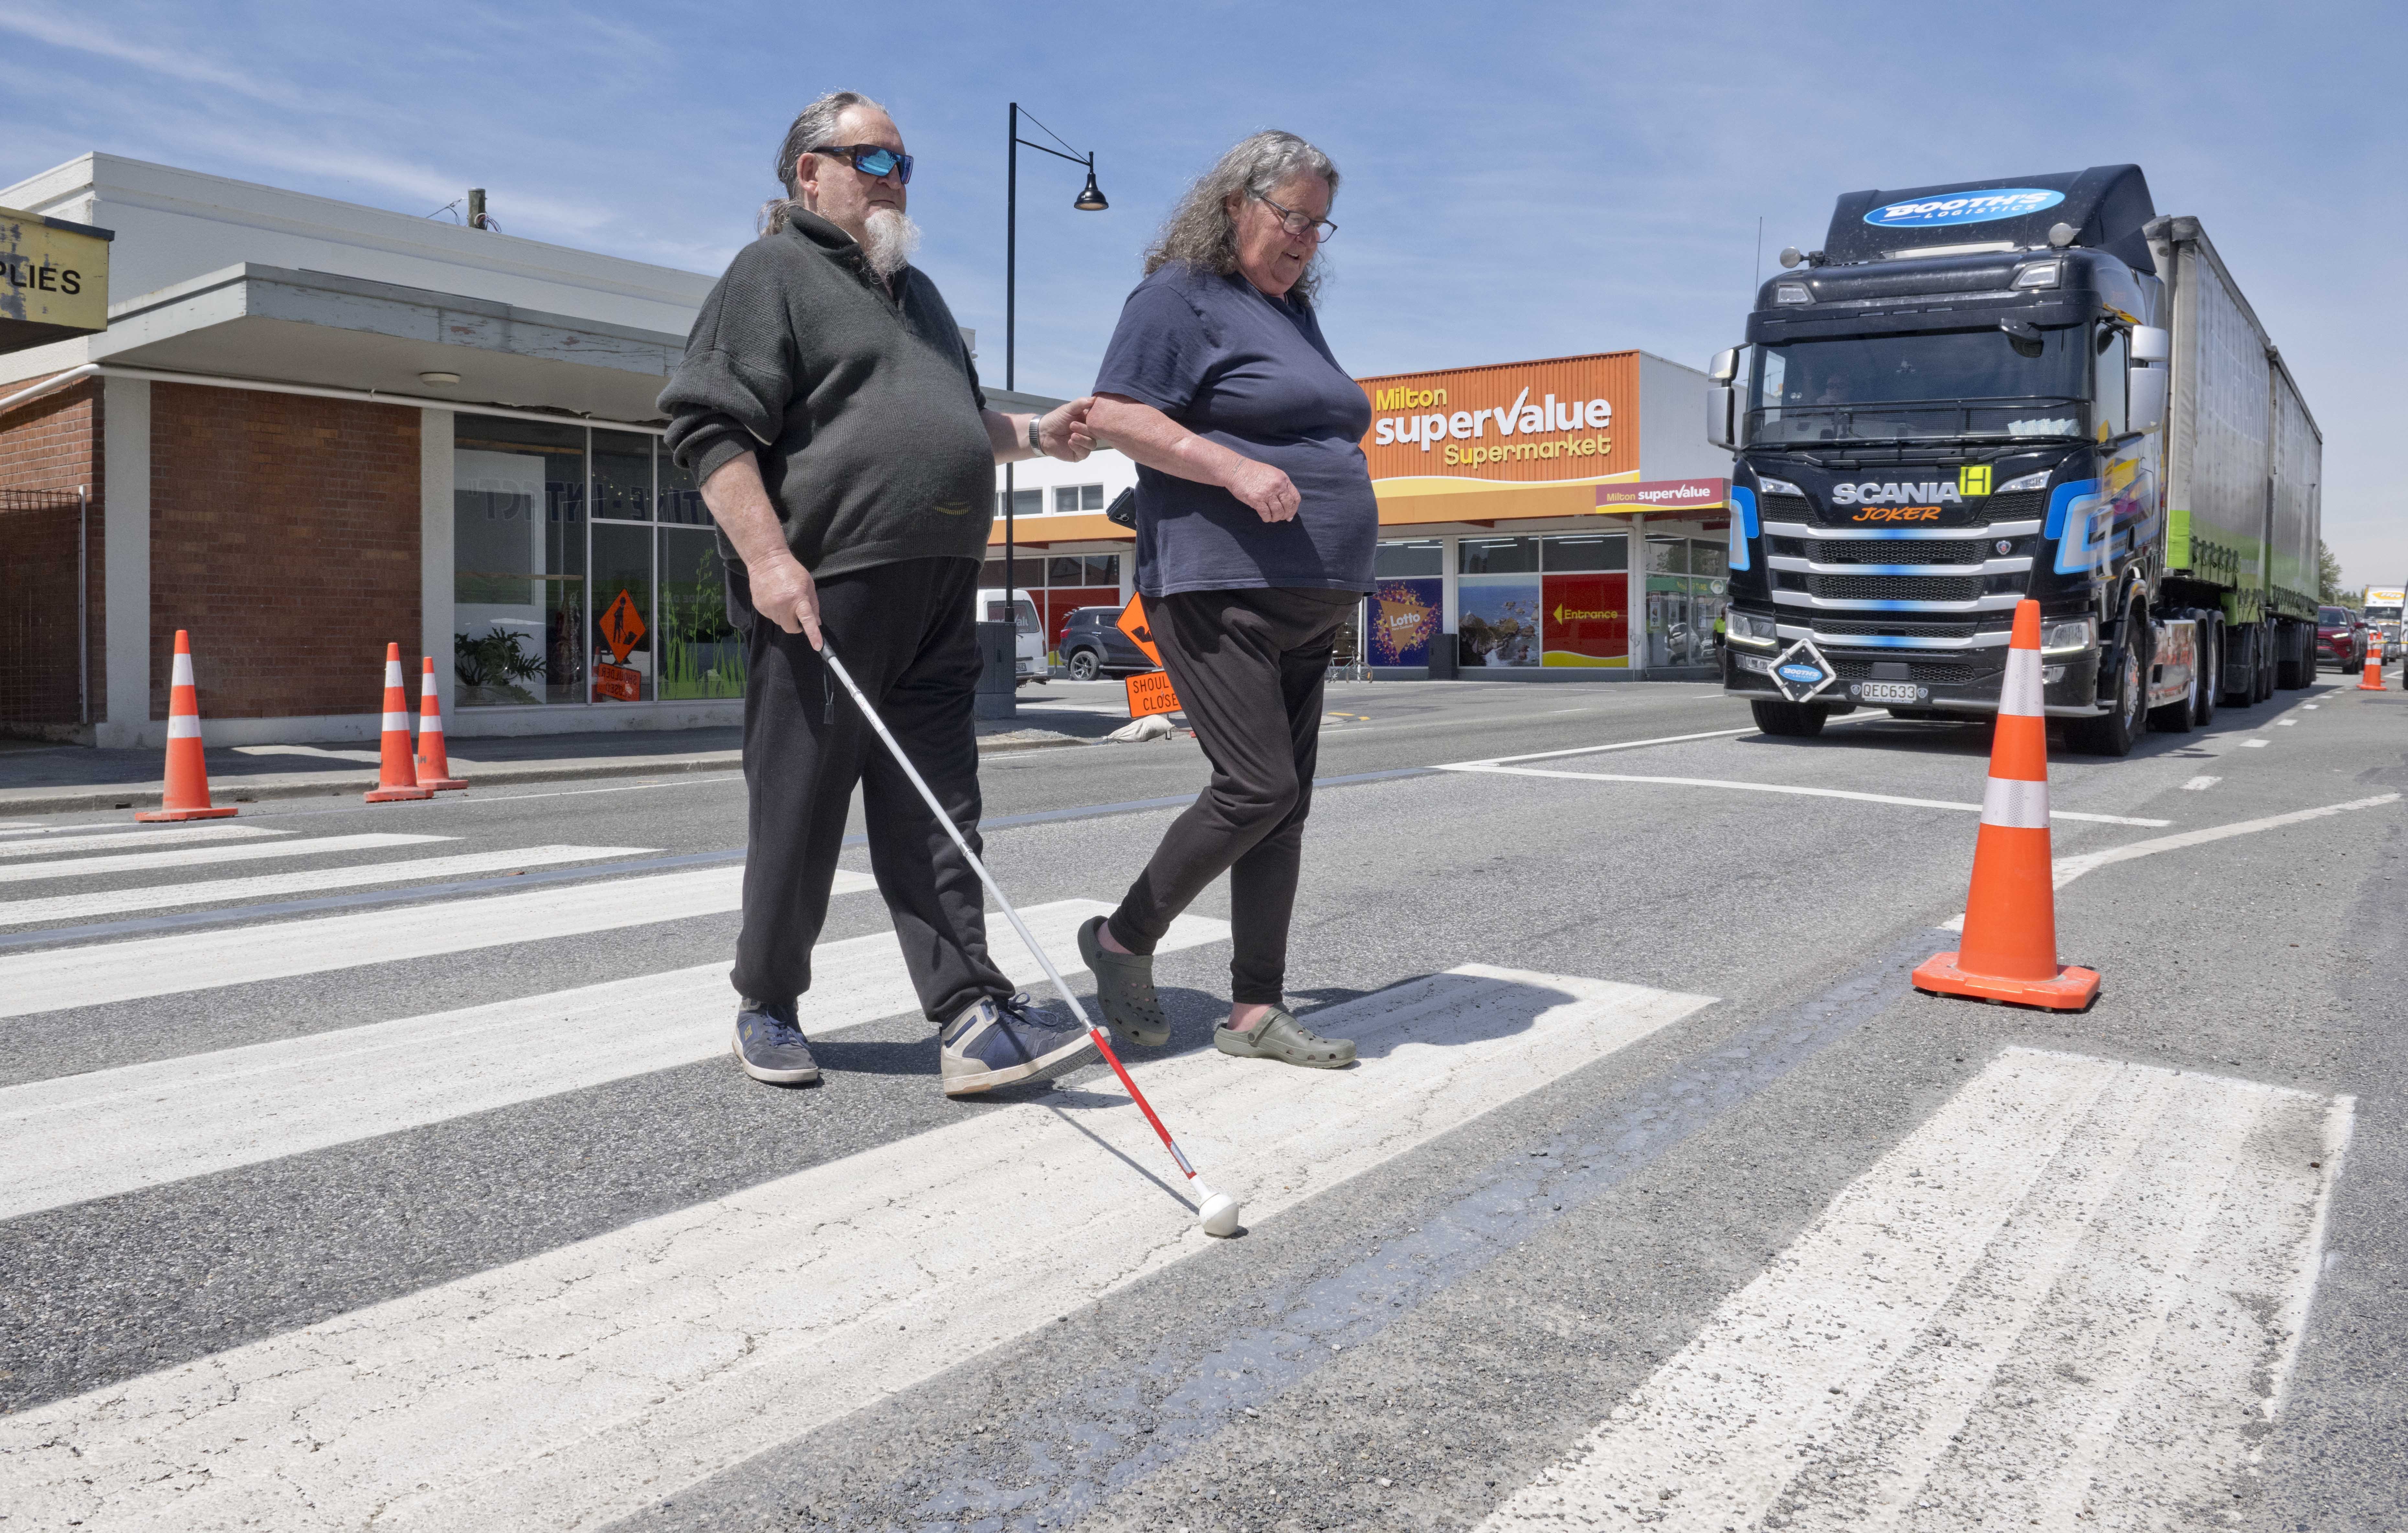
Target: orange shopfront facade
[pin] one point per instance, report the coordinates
(1555, 519)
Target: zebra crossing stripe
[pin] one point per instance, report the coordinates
(167, 1120)
(98, 974)
(274, 886)
(2069, 1298)
(202, 856)
(145, 838)
(580, 1385)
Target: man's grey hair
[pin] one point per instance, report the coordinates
(815, 124)
(1200, 232)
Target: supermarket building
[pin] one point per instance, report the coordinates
(313, 428)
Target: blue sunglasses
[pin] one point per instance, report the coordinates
(871, 160)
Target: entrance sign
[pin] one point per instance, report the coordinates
(1132, 623)
(622, 627)
(53, 280)
(1150, 691)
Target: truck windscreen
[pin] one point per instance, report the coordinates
(1919, 386)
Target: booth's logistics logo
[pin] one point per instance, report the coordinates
(1964, 207)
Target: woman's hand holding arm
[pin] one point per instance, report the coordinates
(1159, 442)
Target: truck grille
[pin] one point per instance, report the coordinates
(1901, 626)
(1894, 587)
(1928, 672)
(2022, 505)
(1860, 551)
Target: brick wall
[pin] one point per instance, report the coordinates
(284, 535)
(55, 443)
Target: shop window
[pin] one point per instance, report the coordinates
(1687, 586)
(680, 497)
(1399, 560)
(701, 651)
(1668, 556)
(1587, 551)
(624, 624)
(1024, 503)
(1497, 555)
(1079, 498)
(623, 476)
(519, 560)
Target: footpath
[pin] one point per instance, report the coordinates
(37, 776)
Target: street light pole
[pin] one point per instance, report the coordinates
(1090, 200)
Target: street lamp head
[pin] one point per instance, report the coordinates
(1091, 200)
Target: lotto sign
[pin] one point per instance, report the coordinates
(1132, 623)
(1150, 691)
(622, 627)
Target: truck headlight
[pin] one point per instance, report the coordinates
(1759, 665)
(1748, 628)
(2028, 481)
(1791, 293)
(2039, 274)
(2059, 637)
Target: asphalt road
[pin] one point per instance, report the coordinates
(1660, 1198)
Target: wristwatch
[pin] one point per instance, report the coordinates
(1034, 445)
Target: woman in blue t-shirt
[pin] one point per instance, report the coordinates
(1254, 528)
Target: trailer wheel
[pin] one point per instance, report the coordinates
(1795, 720)
(2294, 670)
(2261, 687)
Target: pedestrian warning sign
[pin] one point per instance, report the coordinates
(622, 627)
(1150, 691)
(1132, 623)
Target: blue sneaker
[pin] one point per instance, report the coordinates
(770, 1046)
(1006, 1042)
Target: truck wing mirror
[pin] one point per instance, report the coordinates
(2147, 399)
(2151, 344)
(1722, 400)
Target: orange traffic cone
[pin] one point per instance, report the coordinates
(188, 775)
(434, 766)
(2373, 680)
(397, 777)
(2009, 953)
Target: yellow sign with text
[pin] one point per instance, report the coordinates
(53, 280)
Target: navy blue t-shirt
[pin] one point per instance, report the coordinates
(1253, 374)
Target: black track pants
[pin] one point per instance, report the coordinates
(1249, 667)
(906, 633)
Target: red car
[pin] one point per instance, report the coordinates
(2340, 638)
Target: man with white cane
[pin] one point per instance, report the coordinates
(832, 414)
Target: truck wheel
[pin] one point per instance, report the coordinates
(2111, 733)
(2211, 669)
(1791, 719)
(1082, 666)
(2294, 671)
(2261, 683)
(2175, 718)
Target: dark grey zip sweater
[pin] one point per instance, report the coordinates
(863, 409)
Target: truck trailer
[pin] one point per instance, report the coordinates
(2032, 386)
(2383, 605)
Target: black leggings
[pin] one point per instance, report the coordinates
(1249, 667)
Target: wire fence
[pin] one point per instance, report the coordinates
(45, 563)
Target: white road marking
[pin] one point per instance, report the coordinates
(2062, 1300)
(147, 836)
(81, 1137)
(275, 885)
(374, 758)
(2285, 723)
(1592, 749)
(2064, 870)
(677, 779)
(2255, 745)
(2200, 785)
(2309, 705)
(578, 1385)
(96, 974)
(198, 856)
(1784, 788)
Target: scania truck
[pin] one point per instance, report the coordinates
(1982, 392)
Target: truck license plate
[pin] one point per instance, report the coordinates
(1887, 692)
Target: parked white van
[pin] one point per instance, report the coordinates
(1028, 648)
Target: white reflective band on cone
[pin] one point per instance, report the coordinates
(2016, 805)
(392, 673)
(182, 676)
(183, 727)
(426, 685)
(431, 725)
(2020, 696)
(396, 720)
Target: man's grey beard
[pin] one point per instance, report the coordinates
(888, 239)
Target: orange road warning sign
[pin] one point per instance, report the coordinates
(622, 627)
(1150, 691)
(1132, 623)
(618, 683)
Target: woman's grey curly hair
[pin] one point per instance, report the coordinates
(1199, 232)
(815, 124)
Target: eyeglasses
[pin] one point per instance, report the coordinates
(1321, 230)
(871, 160)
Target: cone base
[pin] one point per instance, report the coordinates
(395, 795)
(442, 784)
(2372, 686)
(2071, 991)
(188, 814)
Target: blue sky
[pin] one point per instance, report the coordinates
(1520, 179)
